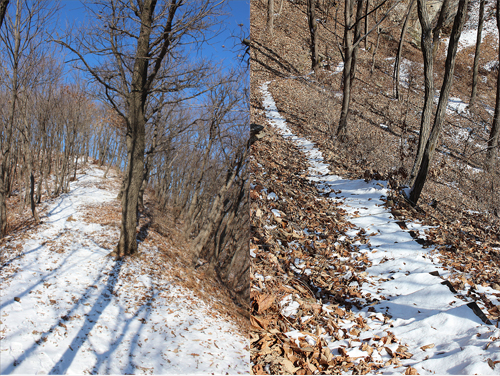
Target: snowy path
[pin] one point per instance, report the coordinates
(441, 332)
(68, 308)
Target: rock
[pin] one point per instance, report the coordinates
(17, 299)
(414, 28)
(495, 286)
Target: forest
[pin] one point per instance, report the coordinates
(124, 152)
(374, 186)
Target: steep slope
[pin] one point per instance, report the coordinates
(347, 278)
(68, 307)
(376, 300)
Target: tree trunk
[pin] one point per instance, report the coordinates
(3, 9)
(425, 121)
(397, 63)
(5, 149)
(476, 55)
(3, 206)
(443, 103)
(32, 198)
(216, 209)
(367, 6)
(136, 137)
(377, 42)
(348, 51)
(270, 17)
(127, 244)
(313, 30)
(357, 37)
(495, 127)
(436, 32)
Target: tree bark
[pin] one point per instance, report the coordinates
(476, 55)
(3, 9)
(495, 127)
(397, 63)
(425, 121)
(357, 37)
(270, 17)
(443, 103)
(348, 50)
(313, 30)
(5, 147)
(136, 136)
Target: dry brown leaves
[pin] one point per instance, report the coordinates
(302, 260)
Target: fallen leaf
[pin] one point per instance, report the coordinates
(264, 302)
(289, 367)
(427, 347)
(259, 323)
(491, 363)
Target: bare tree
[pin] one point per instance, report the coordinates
(397, 63)
(270, 17)
(476, 55)
(432, 141)
(495, 127)
(21, 40)
(429, 44)
(313, 31)
(352, 39)
(131, 73)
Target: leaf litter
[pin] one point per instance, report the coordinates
(343, 282)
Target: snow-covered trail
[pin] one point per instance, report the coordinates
(66, 307)
(441, 331)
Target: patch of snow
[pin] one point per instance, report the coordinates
(68, 308)
(272, 196)
(491, 66)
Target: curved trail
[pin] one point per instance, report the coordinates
(68, 308)
(440, 330)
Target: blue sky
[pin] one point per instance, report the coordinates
(221, 47)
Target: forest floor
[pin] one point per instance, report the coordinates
(345, 285)
(68, 307)
(347, 278)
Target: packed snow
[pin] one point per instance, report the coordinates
(439, 328)
(69, 308)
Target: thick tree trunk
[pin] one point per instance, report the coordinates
(495, 127)
(425, 121)
(127, 244)
(136, 137)
(443, 103)
(348, 52)
(476, 55)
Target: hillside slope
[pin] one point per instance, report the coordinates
(347, 278)
(67, 306)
